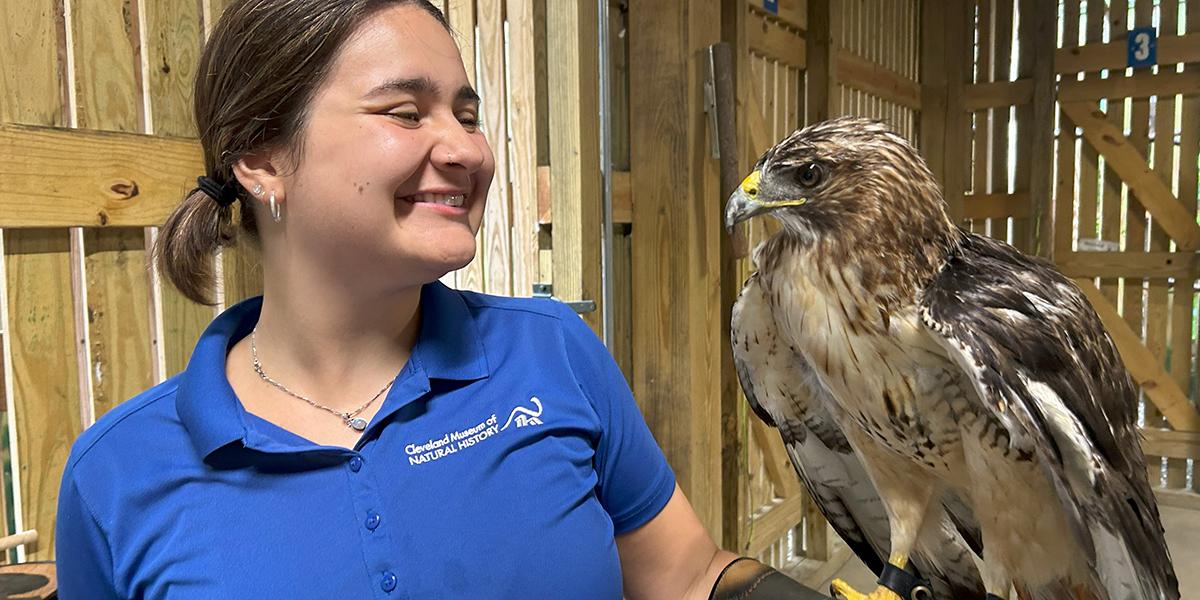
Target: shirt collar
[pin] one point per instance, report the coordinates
(448, 346)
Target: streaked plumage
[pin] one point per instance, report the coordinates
(970, 388)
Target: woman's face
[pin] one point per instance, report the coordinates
(394, 174)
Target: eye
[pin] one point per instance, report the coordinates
(409, 117)
(470, 121)
(811, 175)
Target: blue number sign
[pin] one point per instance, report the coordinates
(1143, 47)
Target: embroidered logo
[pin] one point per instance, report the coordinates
(525, 417)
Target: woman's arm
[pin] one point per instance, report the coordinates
(672, 556)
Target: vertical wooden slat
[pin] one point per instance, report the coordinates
(959, 16)
(522, 151)
(108, 78)
(821, 57)
(1088, 157)
(45, 407)
(461, 16)
(1130, 303)
(574, 152)
(1138, 222)
(1174, 326)
(983, 130)
(933, 115)
(497, 221)
(1001, 60)
(1189, 154)
(174, 36)
(1038, 139)
(677, 205)
(1024, 146)
(46, 391)
(1066, 152)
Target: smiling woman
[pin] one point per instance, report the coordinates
(343, 434)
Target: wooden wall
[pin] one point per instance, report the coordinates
(1124, 219)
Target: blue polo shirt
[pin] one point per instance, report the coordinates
(503, 461)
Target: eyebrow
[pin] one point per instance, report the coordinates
(419, 85)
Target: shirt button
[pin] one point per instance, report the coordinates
(355, 464)
(372, 521)
(388, 583)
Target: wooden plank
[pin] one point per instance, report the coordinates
(1170, 321)
(1096, 55)
(497, 221)
(1066, 154)
(677, 343)
(118, 316)
(522, 146)
(779, 467)
(1151, 265)
(1037, 139)
(1178, 499)
(574, 152)
(1001, 61)
(1144, 367)
(108, 80)
(52, 177)
(1139, 85)
(1148, 186)
(622, 198)
(997, 206)
(1089, 158)
(460, 14)
(46, 396)
(1174, 444)
(33, 85)
(1189, 146)
(735, 482)
(822, 64)
(768, 38)
(997, 94)
(775, 523)
(1111, 208)
(959, 34)
(878, 80)
(174, 34)
(934, 89)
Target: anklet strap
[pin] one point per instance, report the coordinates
(905, 584)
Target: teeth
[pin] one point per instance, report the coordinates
(447, 199)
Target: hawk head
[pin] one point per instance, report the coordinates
(850, 179)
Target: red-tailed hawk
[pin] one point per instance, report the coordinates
(939, 392)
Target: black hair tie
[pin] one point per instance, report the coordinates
(224, 194)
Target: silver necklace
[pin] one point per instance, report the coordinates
(351, 418)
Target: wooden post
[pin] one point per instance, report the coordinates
(933, 113)
(821, 55)
(1042, 28)
(571, 38)
(677, 344)
(959, 33)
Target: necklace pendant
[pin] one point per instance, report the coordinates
(357, 424)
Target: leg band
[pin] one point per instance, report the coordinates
(905, 584)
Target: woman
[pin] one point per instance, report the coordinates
(361, 431)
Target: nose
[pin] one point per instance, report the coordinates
(457, 149)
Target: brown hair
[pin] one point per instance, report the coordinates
(260, 68)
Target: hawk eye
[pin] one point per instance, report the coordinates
(811, 175)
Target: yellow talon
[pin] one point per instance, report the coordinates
(841, 589)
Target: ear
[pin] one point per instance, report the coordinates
(261, 169)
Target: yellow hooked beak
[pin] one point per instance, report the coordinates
(745, 202)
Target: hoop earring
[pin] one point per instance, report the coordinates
(275, 216)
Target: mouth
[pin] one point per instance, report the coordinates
(450, 200)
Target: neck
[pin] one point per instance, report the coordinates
(335, 338)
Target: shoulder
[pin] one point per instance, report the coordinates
(534, 308)
(119, 431)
